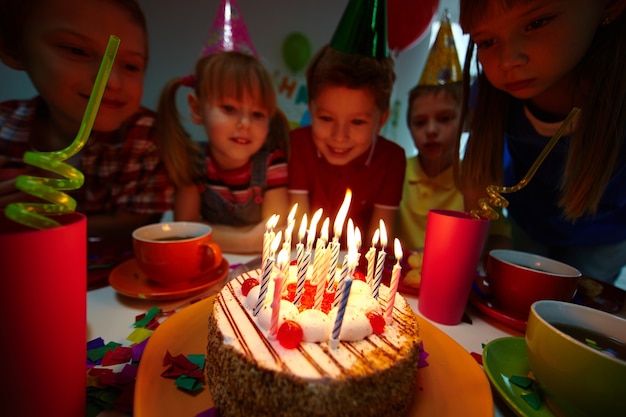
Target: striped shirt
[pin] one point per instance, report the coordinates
(234, 185)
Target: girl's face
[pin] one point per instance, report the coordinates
(64, 41)
(345, 123)
(530, 50)
(434, 122)
(236, 128)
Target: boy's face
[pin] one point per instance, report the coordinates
(345, 123)
(64, 41)
(434, 122)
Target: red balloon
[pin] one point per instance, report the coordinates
(407, 21)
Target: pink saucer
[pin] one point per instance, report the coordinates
(487, 307)
(127, 279)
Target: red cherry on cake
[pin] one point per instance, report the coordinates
(359, 276)
(248, 284)
(290, 334)
(377, 321)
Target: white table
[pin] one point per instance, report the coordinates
(110, 316)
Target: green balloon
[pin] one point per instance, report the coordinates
(296, 51)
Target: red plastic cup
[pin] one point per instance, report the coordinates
(43, 293)
(452, 249)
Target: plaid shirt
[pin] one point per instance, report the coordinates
(123, 169)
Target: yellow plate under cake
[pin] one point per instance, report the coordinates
(452, 385)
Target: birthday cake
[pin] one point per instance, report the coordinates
(369, 370)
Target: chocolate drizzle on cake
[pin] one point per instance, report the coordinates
(310, 360)
(249, 375)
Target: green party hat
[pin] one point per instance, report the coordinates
(362, 29)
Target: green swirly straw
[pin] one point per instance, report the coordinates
(49, 189)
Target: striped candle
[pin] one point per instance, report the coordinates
(395, 279)
(345, 269)
(303, 268)
(267, 240)
(319, 276)
(303, 257)
(378, 276)
(370, 256)
(265, 277)
(283, 259)
(337, 229)
(334, 260)
(346, 285)
(380, 260)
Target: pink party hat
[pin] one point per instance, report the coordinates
(228, 31)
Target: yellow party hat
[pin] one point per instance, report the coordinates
(442, 65)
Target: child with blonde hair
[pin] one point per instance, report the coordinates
(240, 180)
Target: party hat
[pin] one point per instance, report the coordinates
(228, 31)
(442, 65)
(362, 29)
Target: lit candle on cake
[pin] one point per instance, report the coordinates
(302, 261)
(370, 256)
(291, 220)
(320, 265)
(283, 259)
(313, 229)
(395, 279)
(357, 245)
(380, 261)
(287, 240)
(345, 267)
(267, 271)
(268, 237)
(345, 271)
(345, 285)
(335, 244)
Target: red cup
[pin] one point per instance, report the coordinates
(43, 293)
(175, 253)
(452, 249)
(517, 279)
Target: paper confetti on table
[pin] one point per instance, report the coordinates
(187, 370)
(117, 356)
(421, 362)
(139, 335)
(143, 320)
(112, 367)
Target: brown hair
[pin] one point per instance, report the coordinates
(15, 13)
(215, 76)
(596, 146)
(330, 67)
(452, 90)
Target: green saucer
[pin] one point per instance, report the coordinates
(502, 359)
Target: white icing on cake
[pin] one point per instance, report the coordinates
(361, 351)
